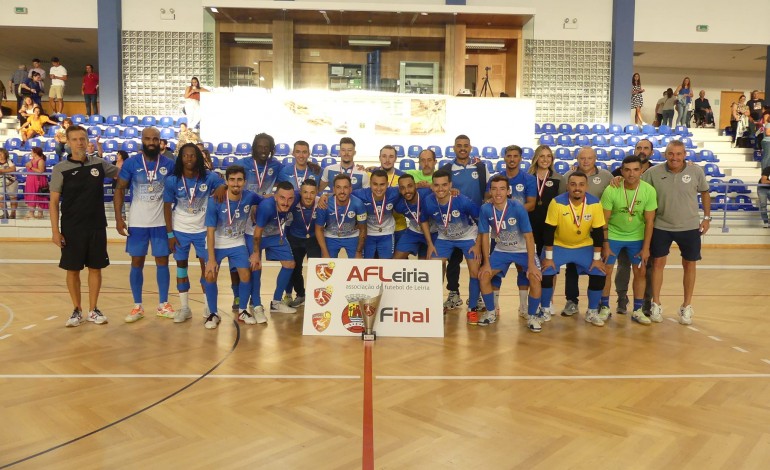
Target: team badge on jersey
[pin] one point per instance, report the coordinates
(519, 187)
(475, 175)
(455, 213)
(549, 183)
(94, 172)
(597, 180)
(512, 221)
(204, 187)
(163, 170)
(686, 179)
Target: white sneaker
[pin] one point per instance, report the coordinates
(206, 312)
(592, 317)
(278, 306)
(165, 310)
(183, 314)
(453, 300)
(547, 313)
(535, 323)
(639, 317)
(212, 322)
(656, 313)
(75, 319)
(685, 315)
(259, 314)
(605, 313)
(97, 317)
(570, 309)
(247, 318)
(287, 299)
(487, 318)
(523, 312)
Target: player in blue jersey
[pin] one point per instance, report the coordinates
(273, 219)
(301, 237)
(146, 175)
(455, 218)
(185, 198)
(379, 200)
(506, 221)
(358, 177)
(301, 169)
(411, 207)
(226, 224)
(343, 223)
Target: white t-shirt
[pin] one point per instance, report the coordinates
(59, 71)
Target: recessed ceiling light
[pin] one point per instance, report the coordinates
(214, 10)
(424, 14)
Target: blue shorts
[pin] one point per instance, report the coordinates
(380, 245)
(502, 261)
(139, 239)
(185, 240)
(397, 236)
(582, 257)
(237, 256)
(445, 248)
(272, 247)
(414, 243)
(334, 245)
(632, 248)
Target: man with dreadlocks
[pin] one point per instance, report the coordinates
(185, 198)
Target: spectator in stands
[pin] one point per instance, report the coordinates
(659, 110)
(9, 185)
(56, 93)
(667, 109)
(61, 138)
(703, 114)
(683, 96)
(26, 110)
(94, 148)
(755, 112)
(165, 150)
(36, 68)
(17, 79)
(33, 87)
(207, 162)
(423, 178)
(36, 181)
(192, 102)
(89, 89)
(637, 100)
(739, 117)
(763, 191)
(186, 135)
(34, 125)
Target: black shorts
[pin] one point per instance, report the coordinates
(84, 248)
(688, 242)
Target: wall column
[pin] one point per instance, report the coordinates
(622, 62)
(110, 67)
(283, 54)
(454, 58)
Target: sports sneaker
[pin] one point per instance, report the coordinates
(96, 316)
(287, 300)
(206, 312)
(298, 301)
(639, 317)
(487, 318)
(212, 322)
(535, 323)
(165, 310)
(656, 313)
(278, 306)
(236, 304)
(259, 314)
(136, 314)
(622, 305)
(523, 312)
(592, 317)
(570, 309)
(453, 300)
(473, 316)
(75, 319)
(547, 313)
(685, 315)
(183, 314)
(605, 313)
(247, 318)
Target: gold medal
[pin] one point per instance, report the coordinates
(150, 188)
(539, 203)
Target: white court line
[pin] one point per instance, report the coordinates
(175, 376)
(573, 377)
(5, 336)
(672, 319)
(693, 328)
(29, 327)
(766, 361)
(739, 349)
(52, 317)
(715, 338)
(10, 316)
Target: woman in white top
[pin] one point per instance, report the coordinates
(9, 185)
(192, 102)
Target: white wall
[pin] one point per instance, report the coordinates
(50, 13)
(656, 80)
(142, 15)
(730, 22)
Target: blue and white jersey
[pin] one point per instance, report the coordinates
(358, 178)
(341, 222)
(190, 197)
(272, 222)
(260, 179)
(415, 213)
(230, 218)
(513, 223)
(454, 219)
(303, 219)
(379, 215)
(147, 179)
(294, 176)
(465, 178)
(521, 186)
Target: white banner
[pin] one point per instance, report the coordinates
(411, 304)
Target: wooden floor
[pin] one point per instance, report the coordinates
(575, 396)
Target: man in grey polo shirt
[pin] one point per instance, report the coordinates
(677, 220)
(598, 180)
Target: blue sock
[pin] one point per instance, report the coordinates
(605, 301)
(136, 279)
(489, 301)
(244, 289)
(256, 286)
(284, 278)
(473, 293)
(237, 289)
(545, 298)
(212, 291)
(164, 279)
(638, 303)
(497, 281)
(533, 303)
(594, 296)
(203, 284)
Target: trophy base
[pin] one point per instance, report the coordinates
(369, 336)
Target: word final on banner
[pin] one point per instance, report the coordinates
(410, 306)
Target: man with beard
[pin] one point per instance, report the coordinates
(146, 175)
(343, 223)
(301, 170)
(358, 178)
(411, 207)
(302, 237)
(379, 199)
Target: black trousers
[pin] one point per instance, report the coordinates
(301, 247)
(453, 270)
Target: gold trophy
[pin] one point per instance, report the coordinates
(370, 306)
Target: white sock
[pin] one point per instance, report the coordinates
(137, 305)
(523, 300)
(497, 299)
(183, 299)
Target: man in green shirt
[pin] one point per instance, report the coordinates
(423, 177)
(630, 213)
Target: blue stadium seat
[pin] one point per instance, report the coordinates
(489, 165)
(130, 121)
(601, 165)
(600, 129)
(399, 151)
(166, 121)
(737, 185)
(548, 128)
(616, 129)
(716, 185)
(602, 155)
(130, 133)
(649, 129)
(599, 141)
(575, 152)
(326, 161)
(281, 150)
(441, 163)
(289, 160)
(216, 161)
(229, 160)
(632, 129)
(181, 120)
(719, 202)
(449, 152)
(500, 166)
(547, 139)
(474, 152)
(538, 129)
(208, 146)
(692, 156)
(688, 143)
(527, 152)
(562, 153)
(49, 146)
(708, 156)
(565, 128)
(561, 167)
(224, 148)
(583, 129)
(657, 156)
(633, 140)
(664, 130)
(617, 154)
(744, 203)
(656, 141)
(167, 133)
(244, 148)
(130, 146)
(406, 164)
(110, 145)
(50, 131)
(712, 169)
(489, 153)
(437, 150)
(524, 165)
(320, 150)
(617, 141)
(582, 141)
(335, 150)
(615, 165)
(564, 141)
(682, 131)
(96, 119)
(112, 132)
(414, 151)
(172, 145)
(94, 131)
(78, 119)
(35, 142)
(12, 144)
(114, 120)
(148, 121)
